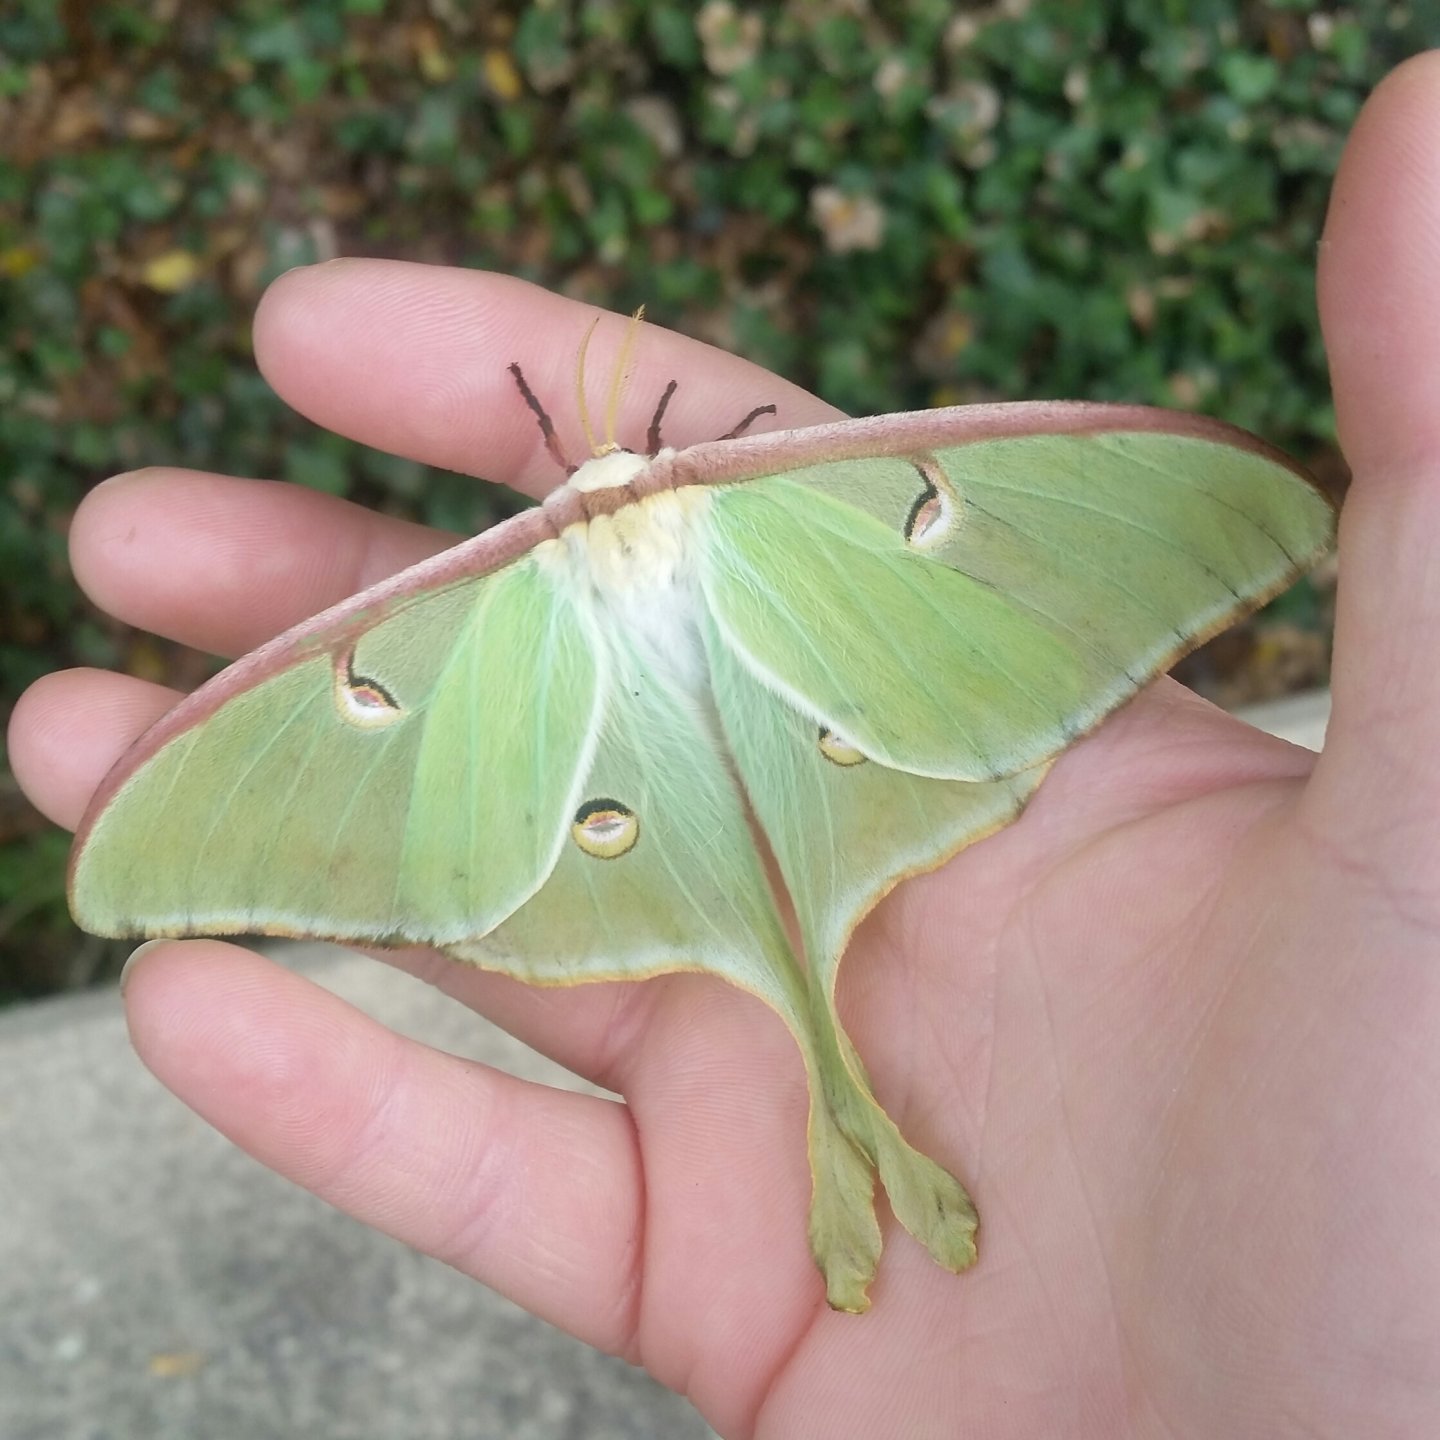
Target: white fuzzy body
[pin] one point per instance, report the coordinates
(636, 571)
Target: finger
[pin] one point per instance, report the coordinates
(638, 1229)
(1379, 301)
(69, 728)
(414, 359)
(535, 1191)
(1378, 277)
(223, 564)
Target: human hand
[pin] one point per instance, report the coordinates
(1175, 1028)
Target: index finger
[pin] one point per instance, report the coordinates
(415, 359)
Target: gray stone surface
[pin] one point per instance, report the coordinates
(1298, 718)
(157, 1283)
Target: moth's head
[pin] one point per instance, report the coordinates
(609, 469)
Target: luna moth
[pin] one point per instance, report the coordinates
(546, 750)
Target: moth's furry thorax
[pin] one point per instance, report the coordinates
(634, 570)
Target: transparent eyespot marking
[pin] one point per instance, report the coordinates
(935, 513)
(362, 701)
(605, 828)
(837, 749)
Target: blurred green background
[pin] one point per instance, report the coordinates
(898, 205)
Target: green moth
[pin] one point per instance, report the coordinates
(543, 750)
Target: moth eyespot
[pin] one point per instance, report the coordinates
(361, 701)
(605, 829)
(932, 516)
(837, 749)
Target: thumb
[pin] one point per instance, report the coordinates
(1380, 309)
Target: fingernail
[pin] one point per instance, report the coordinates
(135, 954)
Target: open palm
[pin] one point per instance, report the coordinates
(1176, 1028)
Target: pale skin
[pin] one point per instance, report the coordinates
(1177, 1029)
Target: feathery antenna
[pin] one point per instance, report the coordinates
(618, 376)
(580, 405)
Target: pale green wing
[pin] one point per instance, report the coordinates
(407, 777)
(844, 829)
(966, 614)
(660, 873)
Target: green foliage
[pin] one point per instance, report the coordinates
(898, 205)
